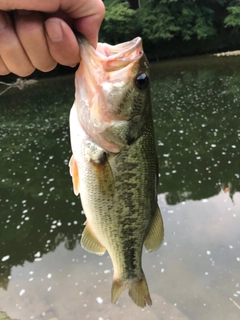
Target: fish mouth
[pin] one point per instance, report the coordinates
(111, 57)
(102, 80)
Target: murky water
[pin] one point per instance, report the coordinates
(44, 272)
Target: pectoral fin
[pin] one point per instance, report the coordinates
(105, 179)
(103, 172)
(75, 176)
(90, 242)
(156, 233)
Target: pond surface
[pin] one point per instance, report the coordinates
(195, 275)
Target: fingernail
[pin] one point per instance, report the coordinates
(3, 22)
(54, 31)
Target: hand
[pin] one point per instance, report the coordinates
(38, 33)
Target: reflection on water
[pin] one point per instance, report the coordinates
(37, 204)
(45, 274)
(197, 120)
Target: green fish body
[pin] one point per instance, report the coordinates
(114, 164)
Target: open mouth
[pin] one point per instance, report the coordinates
(112, 58)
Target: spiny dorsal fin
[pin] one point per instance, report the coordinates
(156, 233)
(90, 242)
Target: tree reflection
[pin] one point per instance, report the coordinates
(197, 127)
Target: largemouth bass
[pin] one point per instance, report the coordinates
(114, 163)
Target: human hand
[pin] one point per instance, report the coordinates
(38, 34)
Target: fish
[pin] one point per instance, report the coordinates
(114, 164)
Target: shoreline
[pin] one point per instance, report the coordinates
(227, 53)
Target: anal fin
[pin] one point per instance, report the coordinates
(90, 242)
(156, 233)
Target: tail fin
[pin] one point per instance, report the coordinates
(138, 291)
(117, 288)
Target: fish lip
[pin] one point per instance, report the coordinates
(111, 57)
(120, 50)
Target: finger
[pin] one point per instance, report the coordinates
(11, 50)
(88, 14)
(43, 5)
(3, 68)
(62, 42)
(90, 22)
(30, 30)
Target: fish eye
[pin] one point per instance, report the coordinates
(142, 81)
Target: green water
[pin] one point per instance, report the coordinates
(44, 272)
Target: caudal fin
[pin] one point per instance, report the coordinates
(117, 288)
(138, 291)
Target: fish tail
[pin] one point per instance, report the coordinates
(117, 287)
(138, 291)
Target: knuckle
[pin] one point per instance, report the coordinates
(44, 63)
(27, 22)
(65, 58)
(3, 68)
(25, 72)
(3, 22)
(4, 72)
(47, 68)
(102, 9)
